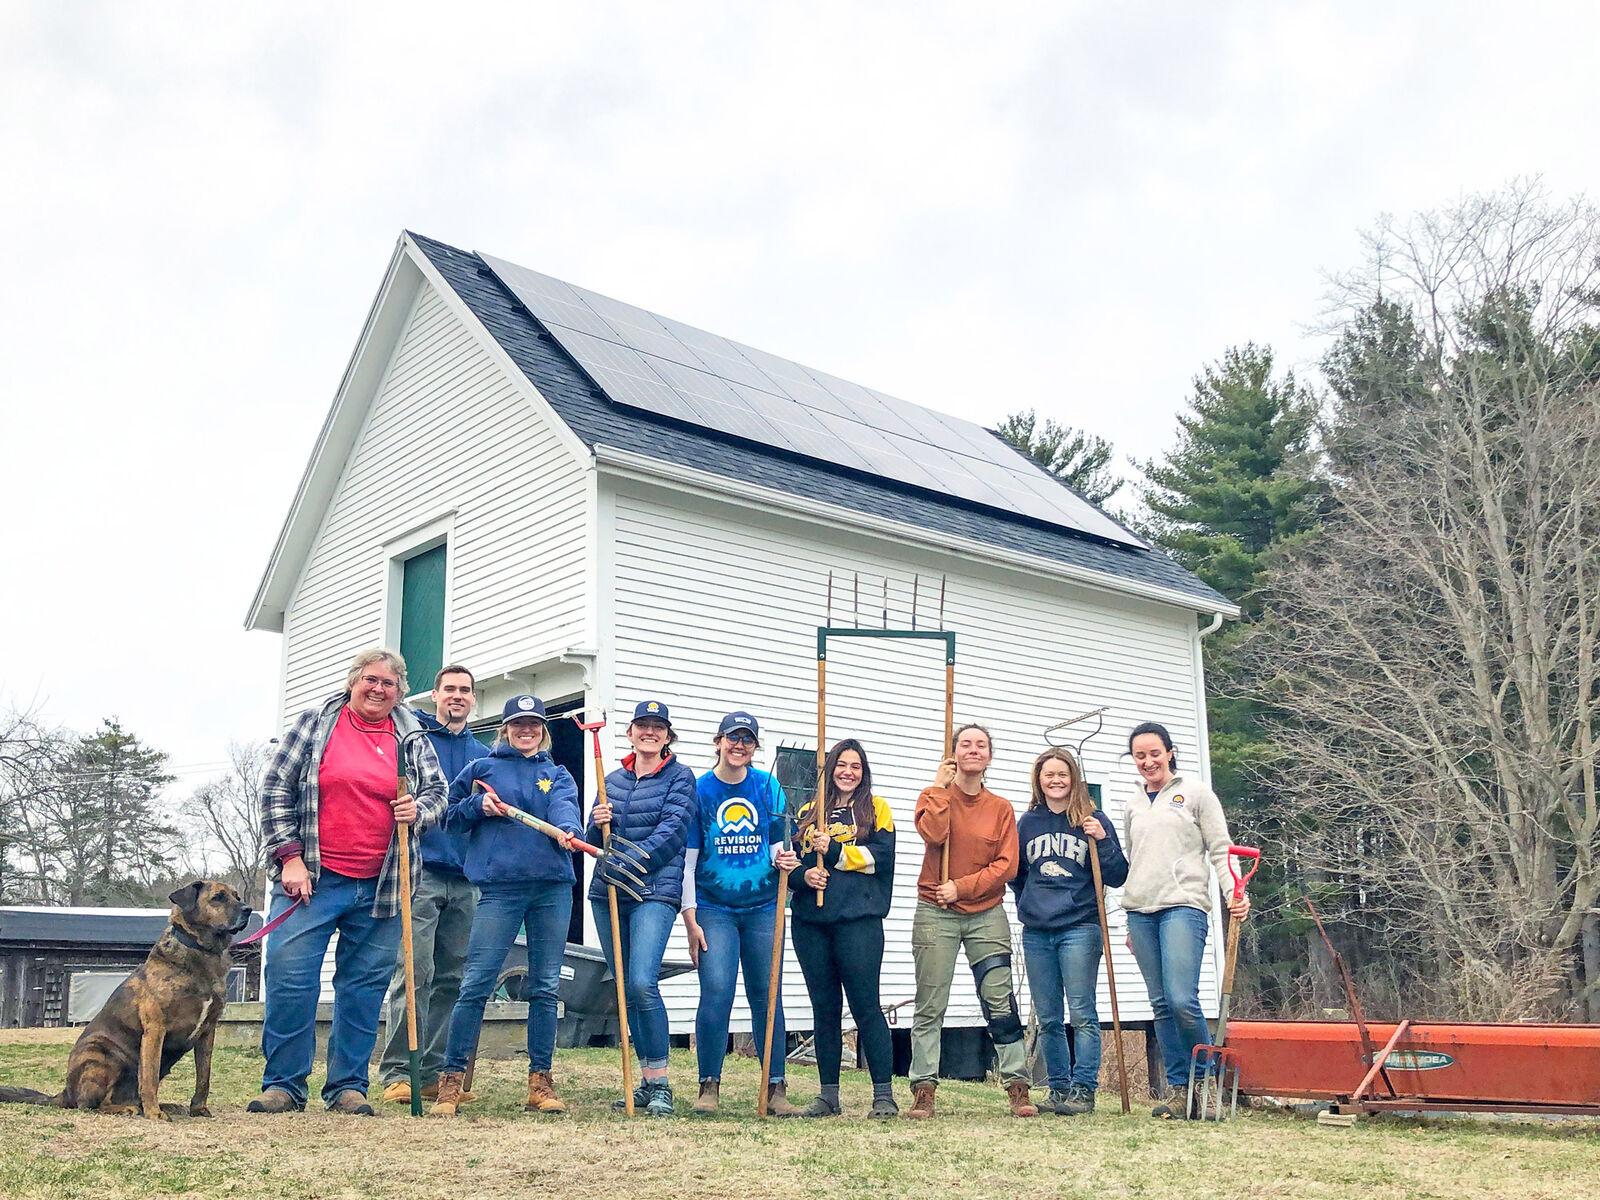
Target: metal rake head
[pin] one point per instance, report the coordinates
(622, 865)
(1213, 1083)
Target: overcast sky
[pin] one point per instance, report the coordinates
(975, 207)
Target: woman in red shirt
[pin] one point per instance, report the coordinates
(330, 809)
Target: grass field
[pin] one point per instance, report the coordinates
(972, 1149)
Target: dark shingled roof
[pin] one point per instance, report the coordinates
(88, 926)
(596, 420)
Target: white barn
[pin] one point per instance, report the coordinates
(522, 477)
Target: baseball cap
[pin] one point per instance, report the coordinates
(522, 706)
(652, 710)
(739, 720)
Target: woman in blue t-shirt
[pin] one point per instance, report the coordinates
(730, 903)
(1060, 920)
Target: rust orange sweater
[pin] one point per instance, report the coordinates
(982, 831)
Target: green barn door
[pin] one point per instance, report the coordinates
(422, 617)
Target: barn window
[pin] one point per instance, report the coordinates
(422, 615)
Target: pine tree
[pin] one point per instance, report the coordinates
(116, 839)
(1238, 488)
(1080, 460)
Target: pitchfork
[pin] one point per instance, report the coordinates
(620, 863)
(1216, 1061)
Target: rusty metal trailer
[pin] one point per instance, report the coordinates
(1377, 1066)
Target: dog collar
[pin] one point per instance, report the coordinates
(187, 938)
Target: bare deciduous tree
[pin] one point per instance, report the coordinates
(227, 812)
(29, 750)
(1435, 648)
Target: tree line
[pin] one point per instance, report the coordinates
(84, 819)
(1404, 716)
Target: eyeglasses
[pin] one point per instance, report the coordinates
(739, 739)
(382, 685)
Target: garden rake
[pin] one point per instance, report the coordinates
(1214, 1066)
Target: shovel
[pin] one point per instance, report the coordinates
(1215, 1061)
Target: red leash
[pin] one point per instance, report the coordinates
(271, 925)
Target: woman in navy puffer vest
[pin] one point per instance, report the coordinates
(651, 803)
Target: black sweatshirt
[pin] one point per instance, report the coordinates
(1054, 883)
(860, 871)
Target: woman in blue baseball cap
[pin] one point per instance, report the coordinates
(651, 803)
(524, 879)
(730, 902)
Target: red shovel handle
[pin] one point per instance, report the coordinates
(1239, 880)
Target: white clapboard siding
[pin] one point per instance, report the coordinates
(449, 438)
(708, 635)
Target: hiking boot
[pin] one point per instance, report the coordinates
(542, 1094)
(710, 1096)
(921, 1101)
(641, 1098)
(1017, 1094)
(352, 1103)
(449, 1100)
(1073, 1102)
(884, 1107)
(660, 1103)
(274, 1100)
(399, 1092)
(778, 1101)
(820, 1108)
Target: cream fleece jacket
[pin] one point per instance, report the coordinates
(1167, 841)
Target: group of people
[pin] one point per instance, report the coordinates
(352, 770)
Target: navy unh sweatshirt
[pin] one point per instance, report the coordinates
(1054, 883)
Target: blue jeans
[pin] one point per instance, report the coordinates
(544, 909)
(645, 928)
(292, 979)
(735, 938)
(1170, 945)
(1066, 962)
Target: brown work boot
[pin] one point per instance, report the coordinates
(274, 1100)
(352, 1103)
(542, 1094)
(778, 1101)
(1021, 1105)
(921, 1101)
(449, 1100)
(705, 1104)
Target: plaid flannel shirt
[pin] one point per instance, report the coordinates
(290, 795)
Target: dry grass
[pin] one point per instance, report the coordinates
(973, 1149)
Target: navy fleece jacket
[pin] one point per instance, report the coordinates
(501, 852)
(444, 849)
(1054, 883)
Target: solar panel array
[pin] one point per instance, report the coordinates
(664, 367)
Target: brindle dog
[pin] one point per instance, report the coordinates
(166, 1008)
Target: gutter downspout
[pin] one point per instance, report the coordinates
(1203, 729)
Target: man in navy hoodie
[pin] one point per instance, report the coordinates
(442, 904)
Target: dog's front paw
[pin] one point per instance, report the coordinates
(155, 1113)
(199, 1110)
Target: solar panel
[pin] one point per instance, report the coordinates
(666, 368)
